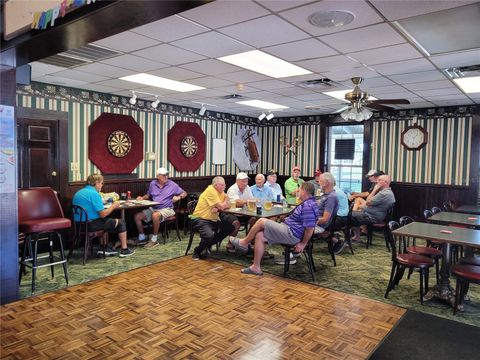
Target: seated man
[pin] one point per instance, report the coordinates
(207, 222)
(165, 192)
(90, 199)
(376, 206)
(274, 186)
(359, 198)
(259, 190)
(316, 182)
(292, 185)
(296, 230)
(328, 203)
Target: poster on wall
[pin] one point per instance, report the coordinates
(246, 149)
(7, 150)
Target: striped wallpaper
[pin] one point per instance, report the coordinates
(156, 125)
(445, 159)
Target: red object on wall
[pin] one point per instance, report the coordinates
(186, 146)
(124, 135)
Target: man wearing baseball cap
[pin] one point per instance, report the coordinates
(316, 182)
(359, 198)
(293, 183)
(165, 192)
(273, 185)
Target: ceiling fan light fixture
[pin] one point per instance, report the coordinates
(331, 19)
(356, 114)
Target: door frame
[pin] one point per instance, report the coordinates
(62, 140)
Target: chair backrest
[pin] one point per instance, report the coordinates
(38, 203)
(80, 226)
(389, 214)
(404, 220)
(427, 213)
(191, 206)
(447, 206)
(392, 225)
(436, 210)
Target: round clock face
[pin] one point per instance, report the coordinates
(189, 146)
(414, 138)
(119, 143)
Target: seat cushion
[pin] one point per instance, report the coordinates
(471, 260)
(424, 250)
(414, 260)
(44, 225)
(470, 272)
(171, 218)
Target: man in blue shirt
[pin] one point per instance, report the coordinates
(296, 230)
(260, 191)
(274, 186)
(90, 199)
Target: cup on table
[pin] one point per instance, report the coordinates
(123, 196)
(267, 205)
(252, 205)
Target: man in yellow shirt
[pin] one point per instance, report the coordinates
(207, 220)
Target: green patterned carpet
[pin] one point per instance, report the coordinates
(366, 274)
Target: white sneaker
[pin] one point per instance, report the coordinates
(281, 261)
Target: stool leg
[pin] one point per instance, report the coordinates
(22, 261)
(62, 256)
(34, 260)
(50, 252)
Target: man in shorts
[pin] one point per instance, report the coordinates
(89, 199)
(296, 230)
(165, 192)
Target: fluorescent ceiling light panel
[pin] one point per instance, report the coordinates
(340, 94)
(469, 84)
(160, 82)
(265, 64)
(265, 105)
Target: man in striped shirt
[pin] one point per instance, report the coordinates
(296, 230)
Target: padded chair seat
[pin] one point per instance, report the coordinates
(171, 218)
(381, 224)
(44, 225)
(414, 260)
(424, 250)
(468, 271)
(471, 260)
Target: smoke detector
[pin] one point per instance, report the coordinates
(331, 18)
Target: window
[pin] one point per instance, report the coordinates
(348, 173)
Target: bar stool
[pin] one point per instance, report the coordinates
(40, 216)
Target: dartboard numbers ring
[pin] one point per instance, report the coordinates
(119, 143)
(189, 146)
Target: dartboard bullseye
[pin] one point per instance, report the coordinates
(119, 143)
(189, 146)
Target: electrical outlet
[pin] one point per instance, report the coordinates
(74, 166)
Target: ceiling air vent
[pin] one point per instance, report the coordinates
(81, 56)
(462, 71)
(232, 97)
(323, 83)
(63, 61)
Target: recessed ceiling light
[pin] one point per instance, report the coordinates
(160, 82)
(262, 104)
(340, 94)
(469, 84)
(331, 18)
(265, 64)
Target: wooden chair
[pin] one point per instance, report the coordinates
(346, 228)
(429, 251)
(40, 217)
(465, 274)
(191, 208)
(326, 236)
(381, 226)
(436, 210)
(82, 233)
(183, 210)
(402, 261)
(307, 252)
(171, 221)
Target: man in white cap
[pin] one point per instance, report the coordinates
(359, 199)
(165, 192)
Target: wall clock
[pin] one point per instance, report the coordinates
(414, 137)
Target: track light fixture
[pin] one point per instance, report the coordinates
(156, 102)
(133, 99)
(262, 116)
(270, 116)
(202, 110)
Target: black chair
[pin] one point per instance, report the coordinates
(427, 214)
(402, 261)
(346, 228)
(183, 210)
(436, 210)
(326, 236)
(164, 225)
(307, 252)
(190, 208)
(381, 226)
(82, 233)
(465, 274)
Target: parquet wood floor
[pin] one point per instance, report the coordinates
(184, 309)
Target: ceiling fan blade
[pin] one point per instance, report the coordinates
(342, 109)
(378, 106)
(389, 101)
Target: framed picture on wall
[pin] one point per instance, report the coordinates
(219, 151)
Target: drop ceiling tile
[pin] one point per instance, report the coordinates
(243, 76)
(314, 96)
(212, 44)
(58, 80)
(210, 67)
(175, 73)
(232, 89)
(428, 85)
(301, 50)
(135, 63)
(104, 69)
(345, 74)
(120, 84)
(382, 89)
(279, 5)
(155, 90)
(168, 54)
(222, 13)
(397, 9)
(270, 84)
(39, 69)
(452, 102)
(100, 88)
(415, 77)
(417, 104)
(80, 76)
(292, 91)
(370, 37)
(266, 31)
(170, 29)
(386, 54)
(328, 63)
(394, 95)
(126, 41)
(464, 58)
(437, 98)
(209, 93)
(211, 82)
(404, 67)
(371, 82)
(364, 15)
(438, 92)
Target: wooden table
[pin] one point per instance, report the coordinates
(468, 209)
(133, 204)
(444, 217)
(458, 236)
(276, 211)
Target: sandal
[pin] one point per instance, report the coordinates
(249, 271)
(236, 245)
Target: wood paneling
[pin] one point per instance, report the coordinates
(183, 309)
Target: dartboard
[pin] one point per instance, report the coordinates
(119, 143)
(189, 146)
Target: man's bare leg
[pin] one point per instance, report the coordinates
(257, 227)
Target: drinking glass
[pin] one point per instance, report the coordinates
(267, 205)
(252, 205)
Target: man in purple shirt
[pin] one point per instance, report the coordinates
(296, 230)
(165, 192)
